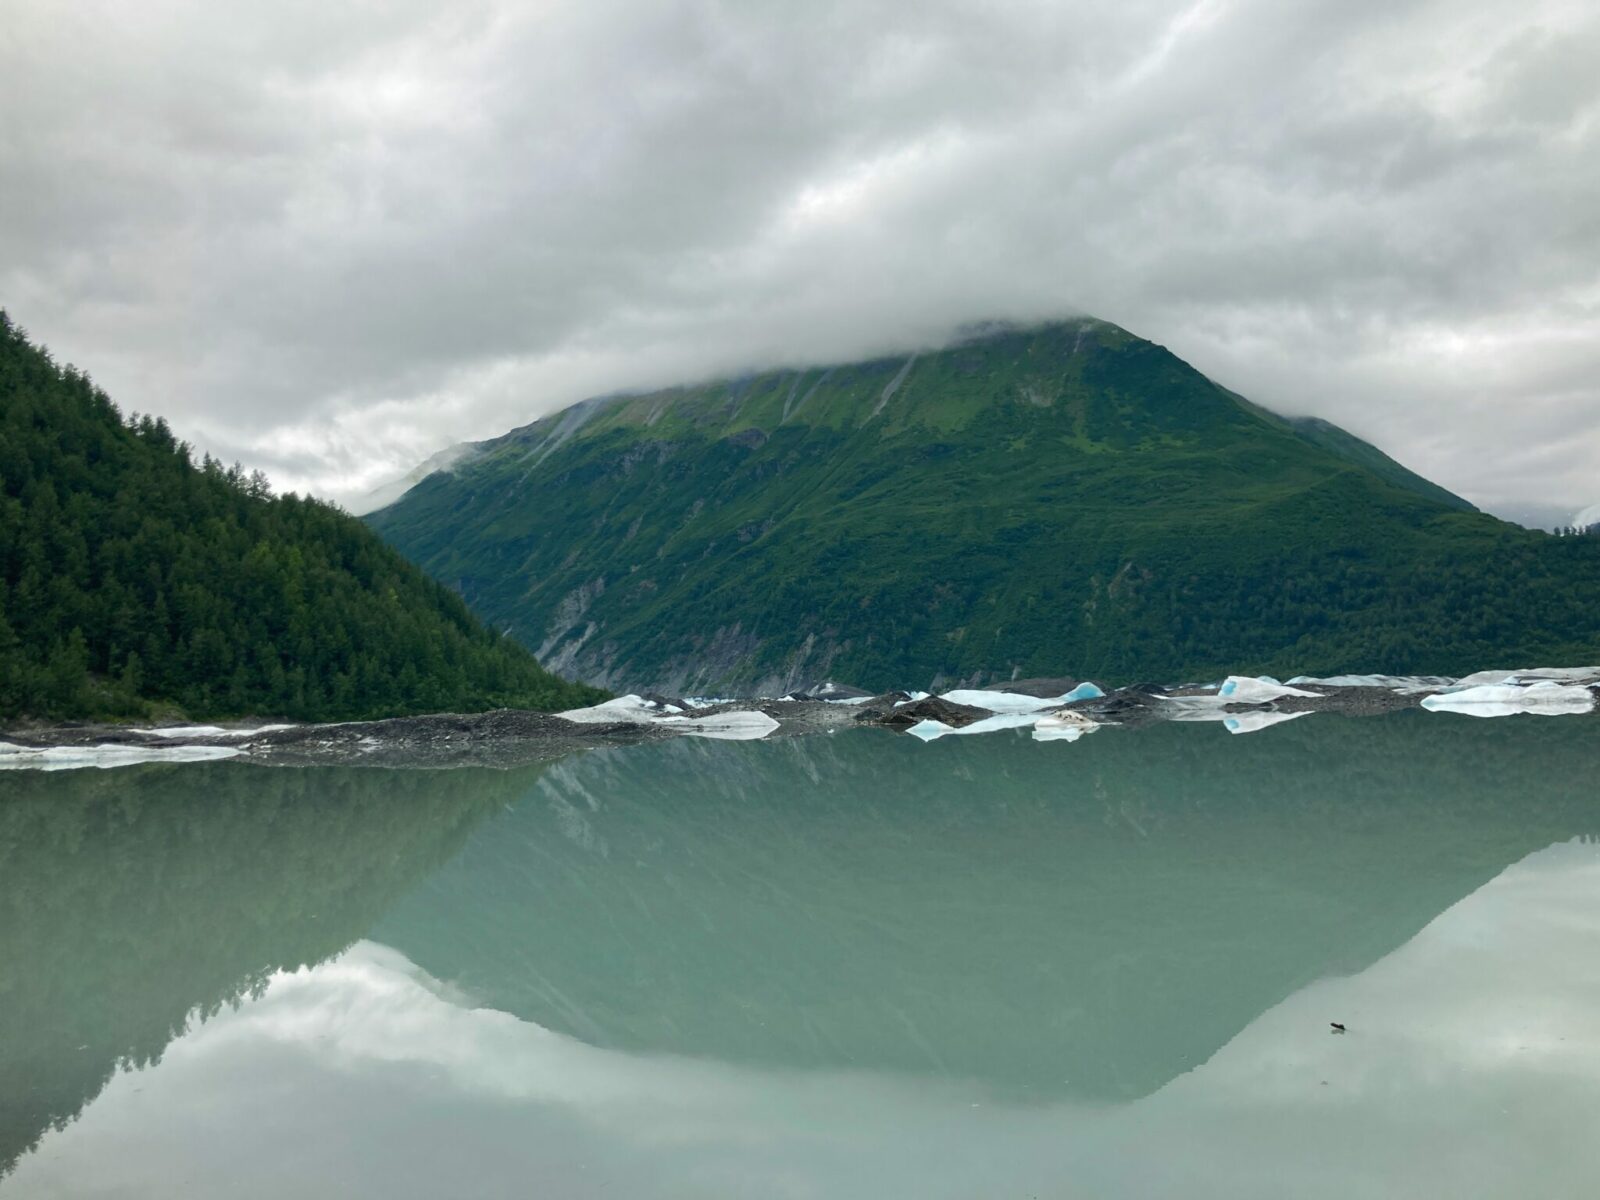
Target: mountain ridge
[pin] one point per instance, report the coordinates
(1045, 498)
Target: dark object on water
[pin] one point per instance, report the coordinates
(1338, 1026)
(932, 708)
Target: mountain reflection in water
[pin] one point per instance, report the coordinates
(833, 965)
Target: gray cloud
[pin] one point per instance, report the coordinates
(330, 239)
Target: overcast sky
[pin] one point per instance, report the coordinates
(329, 239)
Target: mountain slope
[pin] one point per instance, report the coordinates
(128, 574)
(1060, 498)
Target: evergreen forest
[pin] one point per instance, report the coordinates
(138, 581)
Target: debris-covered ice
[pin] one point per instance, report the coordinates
(1404, 684)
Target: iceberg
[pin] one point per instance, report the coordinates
(1544, 699)
(1263, 689)
(1013, 702)
(739, 726)
(1236, 689)
(624, 708)
(103, 757)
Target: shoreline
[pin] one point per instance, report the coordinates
(504, 738)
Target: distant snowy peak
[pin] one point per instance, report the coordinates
(1589, 516)
(386, 494)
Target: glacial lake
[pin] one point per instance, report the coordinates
(848, 965)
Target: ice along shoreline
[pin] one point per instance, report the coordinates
(1053, 709)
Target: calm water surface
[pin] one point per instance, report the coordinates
(846, 966)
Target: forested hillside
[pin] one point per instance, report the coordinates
(131, 575)
(1061, 499)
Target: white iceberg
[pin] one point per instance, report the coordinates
(624, 708)
(1236, 689)
(738, 726)
(1262, 689)
(1545, 699)
(104, 757)
(1013, 702)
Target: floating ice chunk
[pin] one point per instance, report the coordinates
(1263, 689)
(928, 730)
(728, 726)
(1062, 727)
(912, 698)
(69, 758)
(1014, 702)
(1545, 699)
(624, 708)
(1256, 721)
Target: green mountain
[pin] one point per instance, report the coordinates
(129, 575)
(1064, 498)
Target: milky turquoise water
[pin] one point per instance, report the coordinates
(848, 965)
